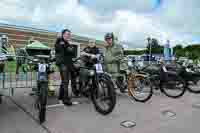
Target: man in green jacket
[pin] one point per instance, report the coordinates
(114, 59)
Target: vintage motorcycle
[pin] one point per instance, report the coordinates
(169, 82)
(191, 77)
(42, 64)
(90, 82)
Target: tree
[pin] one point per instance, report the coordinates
(179, 50)
(155, 47)
(134, 52)
(178, 47)
(191, 51)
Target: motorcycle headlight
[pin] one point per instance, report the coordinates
(91, 72)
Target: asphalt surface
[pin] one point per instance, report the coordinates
(14, 120)
(150, 117)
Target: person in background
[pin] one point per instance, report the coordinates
(168, 52)
(64, 53)
(11, 52)
(3, 52)
(31, 40)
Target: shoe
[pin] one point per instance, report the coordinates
(67, 102)
(76, 93)
(60, 98)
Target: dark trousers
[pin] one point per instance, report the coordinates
(66, 73)
(2, 67)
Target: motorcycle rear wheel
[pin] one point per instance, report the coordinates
(165, 86)
(140, 89)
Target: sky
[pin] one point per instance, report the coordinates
(131, 20)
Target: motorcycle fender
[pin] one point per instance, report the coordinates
(140, 76)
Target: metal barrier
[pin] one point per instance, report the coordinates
(9, 80)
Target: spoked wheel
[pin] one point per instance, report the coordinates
(104, 97)
(194, 86)
(42, 101)
(140, 88)
(174, 89)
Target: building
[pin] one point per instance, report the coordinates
(18, 36)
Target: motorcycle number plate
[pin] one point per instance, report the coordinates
(99, 68)
(164, 68)
(42, 67)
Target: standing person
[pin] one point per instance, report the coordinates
(3, 52)
(20, 59)
(113, 59)
(64, 52)
(168, 52)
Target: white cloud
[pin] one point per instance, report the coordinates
(110, 6)
(126, 18)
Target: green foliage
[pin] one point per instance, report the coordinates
(190, 51)
(179, 50)
(134, 52)
(156, 48)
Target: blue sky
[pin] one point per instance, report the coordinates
(130, 20)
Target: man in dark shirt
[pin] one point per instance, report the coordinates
(64, 52)
(91, 49)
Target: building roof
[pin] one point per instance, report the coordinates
(37, 30)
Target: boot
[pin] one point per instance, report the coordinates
(67, 101)
(121, 85)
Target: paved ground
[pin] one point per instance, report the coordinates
(14, 120)
(83, 118)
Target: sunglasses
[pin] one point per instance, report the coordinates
(108, 38)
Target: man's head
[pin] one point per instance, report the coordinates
(92, 43)
(168, 41)
(66, 35)
(109, 38)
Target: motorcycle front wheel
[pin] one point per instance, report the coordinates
(42, 101)
(193, 83)
(103, 96)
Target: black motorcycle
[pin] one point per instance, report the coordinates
(42, 64)
(191, 78)
(169, 82)
(90, 83)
